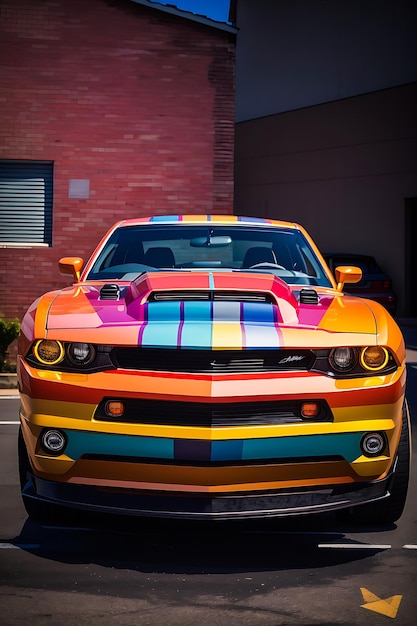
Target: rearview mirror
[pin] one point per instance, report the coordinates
(219, 241)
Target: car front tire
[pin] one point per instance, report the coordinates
(390, 509)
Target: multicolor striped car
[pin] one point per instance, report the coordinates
(211, 368)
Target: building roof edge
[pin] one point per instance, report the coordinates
(187, 15)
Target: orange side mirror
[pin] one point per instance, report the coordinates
(347, 274)
(71, 265)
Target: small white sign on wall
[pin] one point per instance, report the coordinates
(79, 188)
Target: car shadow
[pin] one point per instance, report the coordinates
(197, 548)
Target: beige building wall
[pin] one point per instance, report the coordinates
(343, 170)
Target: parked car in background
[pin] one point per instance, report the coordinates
(375, 283)
(211, 368)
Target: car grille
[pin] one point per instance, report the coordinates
(209, 414)
(212, 361)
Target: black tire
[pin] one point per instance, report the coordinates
(38, 511)
(390, 509)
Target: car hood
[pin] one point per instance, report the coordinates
(216, 310)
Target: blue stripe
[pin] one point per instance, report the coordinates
(258, 312)
(164, 218)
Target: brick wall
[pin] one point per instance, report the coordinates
(137, 101)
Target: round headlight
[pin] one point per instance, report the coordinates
(80, 353)
(343, 359)
(374, 358)
(48, 352)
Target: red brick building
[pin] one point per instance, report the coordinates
(108, 109)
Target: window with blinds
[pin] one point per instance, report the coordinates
(26, 193)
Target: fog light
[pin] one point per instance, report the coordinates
(373, 444)
(53, 441)
(309, 410)
(114, 408)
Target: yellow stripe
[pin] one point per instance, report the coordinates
(226, 336)
(77, 416)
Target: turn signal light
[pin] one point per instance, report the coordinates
(115, 408)
(310, 410)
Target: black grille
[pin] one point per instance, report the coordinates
(212, 361)
(209, 414)
(309, 296)
(110, 292)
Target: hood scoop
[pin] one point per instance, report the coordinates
(308, 296)
(110, 292)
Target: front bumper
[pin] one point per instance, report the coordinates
(285, 503)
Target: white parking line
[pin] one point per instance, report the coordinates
(410, 546)
(355, 546)
(8, 423)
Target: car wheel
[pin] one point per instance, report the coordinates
(390, 509)
(36, 510)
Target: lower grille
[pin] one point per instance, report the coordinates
(209, 414)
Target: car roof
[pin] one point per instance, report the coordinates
(225, 220)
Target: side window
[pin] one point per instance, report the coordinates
(26, 193)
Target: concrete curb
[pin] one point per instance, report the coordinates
(8, 381)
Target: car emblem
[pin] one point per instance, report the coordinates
(291, 359)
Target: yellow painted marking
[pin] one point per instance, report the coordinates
(388, 607)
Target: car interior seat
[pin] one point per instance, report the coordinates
(160, 257)
(258, 254)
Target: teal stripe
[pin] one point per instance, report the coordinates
(196, 336)
(160, 335)
(158, 330)
(301, 447)
(346, 445)
(81, 443)
(227, 450)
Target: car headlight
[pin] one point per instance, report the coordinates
(80, 353)
(374, 358)
(343, 359)
(49, 352)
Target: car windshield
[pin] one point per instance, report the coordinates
(132, 250)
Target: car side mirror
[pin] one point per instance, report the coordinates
(347, 274)
(71, 265)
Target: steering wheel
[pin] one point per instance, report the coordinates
(267, 264)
